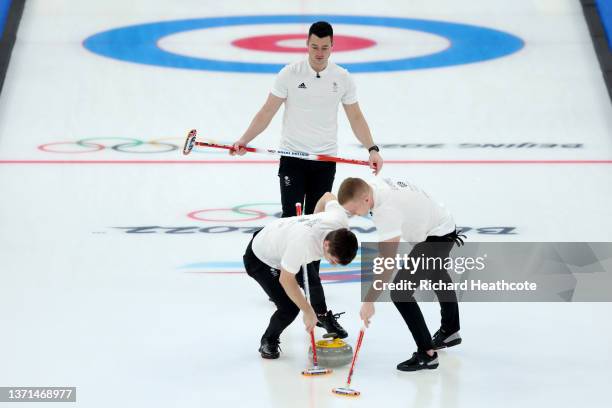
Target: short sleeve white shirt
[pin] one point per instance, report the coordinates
(403, 209)
(310, 120)
(292, 242)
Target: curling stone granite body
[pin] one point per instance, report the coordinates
(332, 353)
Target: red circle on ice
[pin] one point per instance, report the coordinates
(258, 215)
(270, 43)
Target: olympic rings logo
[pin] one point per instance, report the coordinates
(238, 213)
(121, 144)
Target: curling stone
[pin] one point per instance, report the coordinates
(332, 352)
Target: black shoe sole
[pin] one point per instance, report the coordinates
(342, 336)
(269, 356)
(418, 368)
(449, 344)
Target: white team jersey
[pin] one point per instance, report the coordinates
(292, 242)
(403, 209)
(310, 120)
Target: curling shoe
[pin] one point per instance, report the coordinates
(330, 323)
(269, 348)
(441, 339)
(419, 361)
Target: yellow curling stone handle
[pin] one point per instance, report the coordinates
(335, 343)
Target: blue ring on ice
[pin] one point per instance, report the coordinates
(139, 43)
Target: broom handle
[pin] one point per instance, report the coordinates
(350, 375)
(298, 211)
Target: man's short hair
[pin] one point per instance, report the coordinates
(351, 188)
(342, 245)
(321, 29)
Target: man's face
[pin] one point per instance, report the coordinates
(363, 204)
(319, 50)
(330, 258)
(360, 205)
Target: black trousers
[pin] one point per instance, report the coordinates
(305, 181)
(405, 302)
(268, 278)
